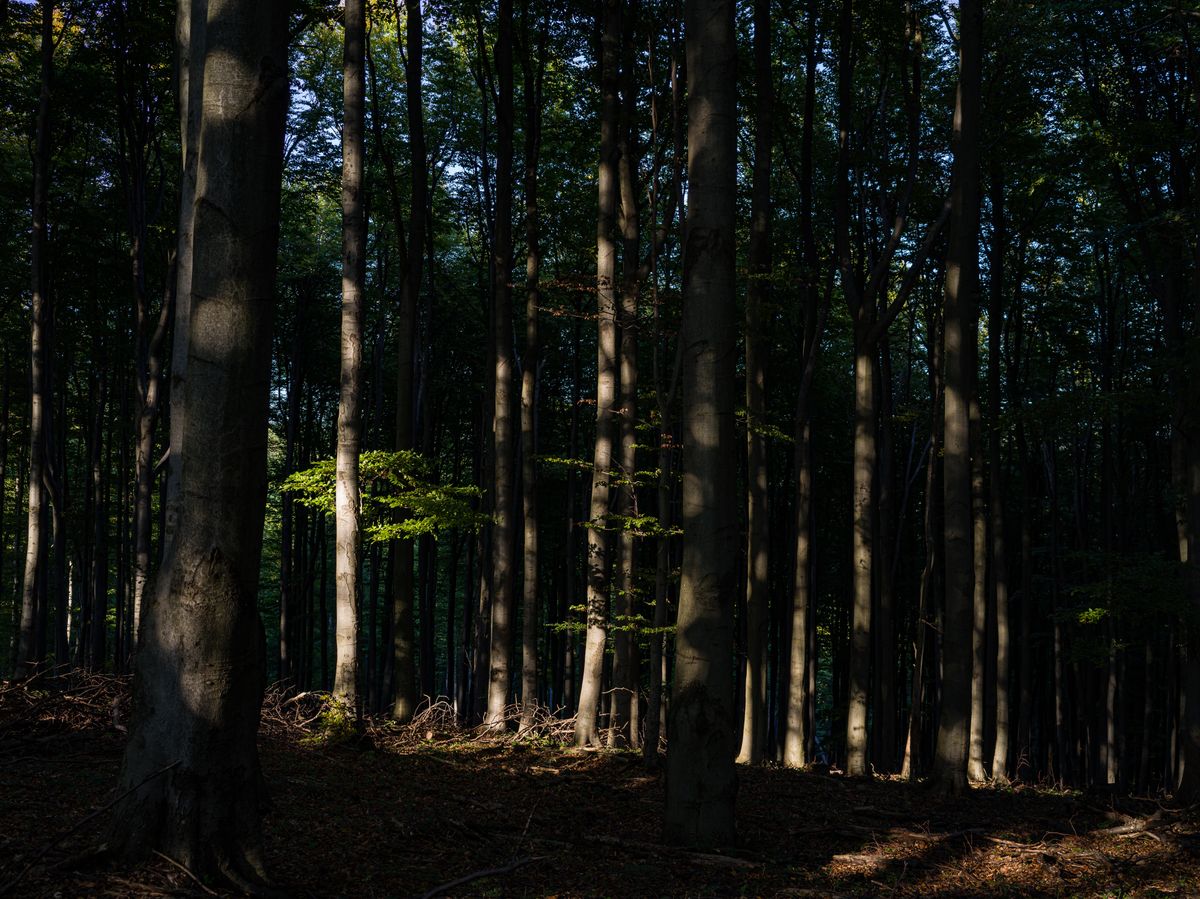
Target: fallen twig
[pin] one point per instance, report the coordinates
(185, 870)
(479, 875)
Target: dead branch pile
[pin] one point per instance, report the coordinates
(64, 701)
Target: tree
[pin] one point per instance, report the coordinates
(33, 600)
(598, 561)
(349, 437)
(757, 291)
(962, 287)
(191, 772)
(701, 777)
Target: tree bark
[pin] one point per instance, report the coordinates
(701, 776)
(598, 540)
(191, 763)
(28, 655)
(347, 514)
(532, 77)
(950, 762)
(758, 537)
(504, 428)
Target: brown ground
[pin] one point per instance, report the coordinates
(399, 814)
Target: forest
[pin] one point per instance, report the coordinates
(647, 447)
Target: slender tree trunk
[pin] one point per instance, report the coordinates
(598, 540)
(863, 544)
(28, 656)
(979, 602)
(701, 776)
(950, 762)
(758, 537)
(504, 427)
(347, 516)
(98, 600)
(404, 675)
(195, 789)
(532, 76)
(1000, 770)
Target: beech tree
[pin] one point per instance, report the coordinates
(701, 779)
(190, 780)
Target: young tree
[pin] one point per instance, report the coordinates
(701, 776)
(191, 772)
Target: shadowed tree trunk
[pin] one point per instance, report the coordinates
(701, 776)
(533, 75)
(950, 760)
(192, 762)
(347, 519)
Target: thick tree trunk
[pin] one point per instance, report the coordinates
(504, 426)
(758, 537)
(701, 776)
(598, 540)
(347, 514)
(950, 762)
(191, 765)
(28, 656)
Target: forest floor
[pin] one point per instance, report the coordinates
(400, 813)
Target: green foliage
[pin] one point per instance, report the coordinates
(400, 496)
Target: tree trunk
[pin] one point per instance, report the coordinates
(758, 537)
(860, 634)
(532, 75)
(191, 767)
(598, 541)
(347, 515)
(950, 762)
(701, 776)
(503, 430)
(979, 601)
(28, 656)
(1000, 769)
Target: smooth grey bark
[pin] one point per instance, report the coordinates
(505, 420)
(28, 649)
(701, 775)
(347, 501)
(598, 563)
(190, 31)
(758, 537)
(192, 761)
(950, 757)
(976, 772)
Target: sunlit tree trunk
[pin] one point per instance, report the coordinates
(754, 722)
(979, 601)
(504, 425)
(701, 777)
(28, 655)
(598, 564)
(195, 791)
(950, 761)
(347, 513)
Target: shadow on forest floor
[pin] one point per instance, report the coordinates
(364, 822)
